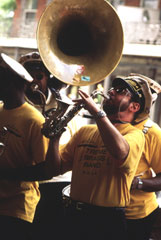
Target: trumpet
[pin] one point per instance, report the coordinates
(2, 145)
(35, 88)
(55, 124)
(4, 131)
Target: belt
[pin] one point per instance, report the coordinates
(82, 206)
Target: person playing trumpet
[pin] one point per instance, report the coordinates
(23, 146)
(42, 94)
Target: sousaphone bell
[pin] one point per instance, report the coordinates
(80, 41)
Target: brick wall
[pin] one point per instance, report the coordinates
(132, 3)
(17, 15)
(19, 28)
(41, 6)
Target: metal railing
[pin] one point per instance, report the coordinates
(138, 32)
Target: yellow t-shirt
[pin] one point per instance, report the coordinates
(96, 178)
(143, 203)
(71, 128)
(24, 146)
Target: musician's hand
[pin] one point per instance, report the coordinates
(89, 103)
(134, 183)
(58, 135)
(46, 132)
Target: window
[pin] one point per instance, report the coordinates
(30, 11)
(31, 4)
(150, 3)
(115, 3)
(29, 16)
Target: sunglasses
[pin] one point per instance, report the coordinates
(120, 90)
(38, 76)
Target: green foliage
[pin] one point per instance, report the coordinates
(7, 5)
(7, 8)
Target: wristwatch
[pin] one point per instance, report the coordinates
(140, 184)
(100, 114)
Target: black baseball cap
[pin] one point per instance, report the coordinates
(133, 86)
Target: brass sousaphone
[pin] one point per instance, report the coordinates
(80, 41)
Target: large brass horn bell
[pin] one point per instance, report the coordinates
(80, 41)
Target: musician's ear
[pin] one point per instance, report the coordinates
(134, 107)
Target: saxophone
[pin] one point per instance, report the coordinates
(55, 124)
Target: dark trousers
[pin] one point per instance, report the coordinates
(49, 217)
(99, 224)
(14, 228)
(140, 229)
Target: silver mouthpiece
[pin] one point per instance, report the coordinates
(96, 92)
(34, 87)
